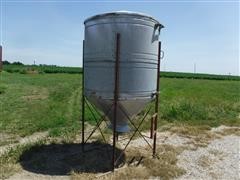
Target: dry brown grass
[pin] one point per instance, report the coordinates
(220, 155)
(6, 138)
(215, 152)
(189, 131)
(213, 175)
(6, 170)
(163, 167)
(82, 176)
(132, 173)
(205, 161)
(37, 94)
(229, 131)
(199, 136)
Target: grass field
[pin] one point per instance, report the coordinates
(39, 102)
(200, 102)
(36, 102)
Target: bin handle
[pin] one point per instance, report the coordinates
(161, 54)
(158, 26)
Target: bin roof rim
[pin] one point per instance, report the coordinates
(118, 13)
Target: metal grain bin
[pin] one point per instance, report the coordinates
(138, 62)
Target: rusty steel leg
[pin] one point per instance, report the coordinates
(117, 136)
(83, 100)
(156, 101)
(152, 125)
(154, 135)
(151, 128)
(116, 88)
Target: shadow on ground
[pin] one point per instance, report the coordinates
(61, 159)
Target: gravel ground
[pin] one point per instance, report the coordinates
(219, 160)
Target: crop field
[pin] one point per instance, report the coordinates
(198, 76)
(40, 102)
(24, 69)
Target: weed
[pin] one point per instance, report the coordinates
(3, 88)
(205, 161)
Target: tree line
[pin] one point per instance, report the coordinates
(13, 63)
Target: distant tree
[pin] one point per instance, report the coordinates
(17, 63)
(42, 65)
(6, 62)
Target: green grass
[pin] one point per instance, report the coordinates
(200, 102)
(39, 102)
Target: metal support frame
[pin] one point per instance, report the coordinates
(156, 101)
(116, 88)
(83, 98)
(154, 118)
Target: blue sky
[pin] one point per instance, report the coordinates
(204, 33)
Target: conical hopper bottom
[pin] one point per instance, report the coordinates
(125, 108)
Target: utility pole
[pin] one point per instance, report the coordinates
(1, 63)
(195, 67)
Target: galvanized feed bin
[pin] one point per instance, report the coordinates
(137, 64)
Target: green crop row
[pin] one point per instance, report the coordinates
(26, 69)
(198, 76)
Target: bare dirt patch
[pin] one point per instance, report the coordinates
(6, 138)
(22, 141)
